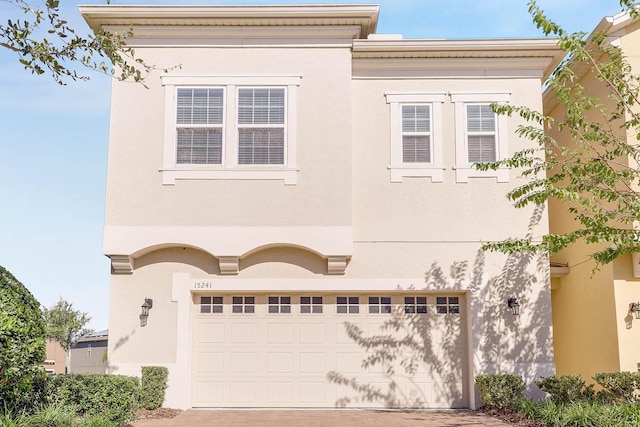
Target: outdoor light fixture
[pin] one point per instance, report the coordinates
(514, 306)
(635, 308)
(148, 303)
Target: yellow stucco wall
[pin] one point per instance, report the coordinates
(593, 329)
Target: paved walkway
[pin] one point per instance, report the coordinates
(325, 418)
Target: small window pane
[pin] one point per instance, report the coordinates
(249, 309)
(216, 309)
(305, 300)
(341, 300)
(273, 309)
(205, 300)
(317, 300)
(237, 309)
(237, 300)
(273, 300)
(205, 309)
(217, 300)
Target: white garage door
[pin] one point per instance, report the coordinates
(329, 350)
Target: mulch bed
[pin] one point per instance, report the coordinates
(511, 417)
(155, 414)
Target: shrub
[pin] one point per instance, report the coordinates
(53, 416)
(22, 345)
(623, 387)
(109, 396)
(501, 390)
(152, 386)
(566, 388)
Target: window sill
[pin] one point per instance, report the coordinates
(464, 173)
(289, 176)
(427, 171)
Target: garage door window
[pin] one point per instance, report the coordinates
(379, 305)
(417, 305)
(348, 305)
(245, 305)
(280, 305)
(448, 305)
(211, 305)
(311, 305)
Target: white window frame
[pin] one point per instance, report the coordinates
(464, 169)
(229, 167)
(398, 168)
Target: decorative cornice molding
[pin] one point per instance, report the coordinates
(157, 36)
(122, 264)
(363, 16)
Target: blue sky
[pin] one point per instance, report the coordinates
(53, 143)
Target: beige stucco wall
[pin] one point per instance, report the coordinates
(136, 196)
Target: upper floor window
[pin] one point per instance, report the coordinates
(199, 120)
(230, 128)
(416, 135)
(481, 134)
(261, 126)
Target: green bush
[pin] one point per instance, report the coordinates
(566, 388)
(501, 390)
(152, 386)
(22, 345)
(622, 387)
(109, 396)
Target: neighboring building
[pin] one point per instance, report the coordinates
(594, 329)
(55, 358)
(89, 355)
(297, 202)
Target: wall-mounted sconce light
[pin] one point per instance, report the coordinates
(514, 306)
(148, 303)
(634, 308)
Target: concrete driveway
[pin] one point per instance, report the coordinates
(325, 418)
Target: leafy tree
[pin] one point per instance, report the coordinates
(44, 42)
(65, 325)
(597, 175)
(22, 344)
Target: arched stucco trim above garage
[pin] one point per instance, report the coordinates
(228, 244)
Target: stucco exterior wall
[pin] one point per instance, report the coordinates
(323, 142)
(591, 308)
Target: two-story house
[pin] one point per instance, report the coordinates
(296, 208)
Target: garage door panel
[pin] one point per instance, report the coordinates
(244, 333)
(210, 362)
(312, 393)
(348, 363)
(262, 359)
(279, 333)
(280, 393)
(242, 392)
(312, 333)
(211, 392)
(242, 363)
(312, 363)
(211, 332)
(280, 363)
